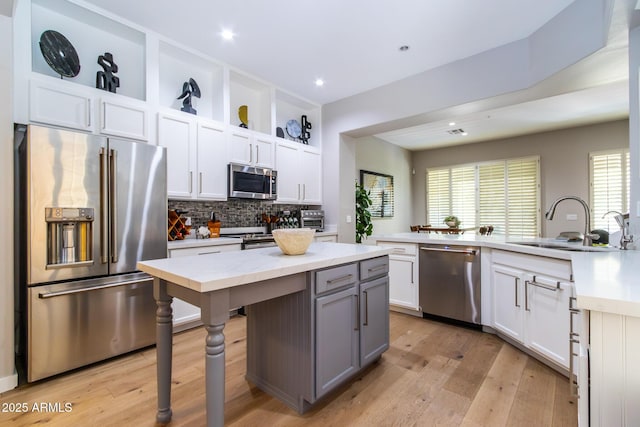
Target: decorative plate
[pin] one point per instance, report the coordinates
(293, 129)
(59, 53)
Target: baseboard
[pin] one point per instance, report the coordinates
(8, 383)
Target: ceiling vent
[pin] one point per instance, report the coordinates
(456, 132)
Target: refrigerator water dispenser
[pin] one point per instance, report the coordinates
(69, 236)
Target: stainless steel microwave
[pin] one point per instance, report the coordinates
(249, 182)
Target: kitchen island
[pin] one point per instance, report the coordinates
(219, 282)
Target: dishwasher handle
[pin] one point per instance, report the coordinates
(455, 251)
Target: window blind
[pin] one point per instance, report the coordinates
(523, 198)
(438, 195)
(492, 196)
(503, 193)
(609, 185)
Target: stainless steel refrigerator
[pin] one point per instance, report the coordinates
(87, 209)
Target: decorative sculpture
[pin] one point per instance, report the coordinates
(189, 89)
(306, 126)
(106, 80)
(243, 115)
(59, 53)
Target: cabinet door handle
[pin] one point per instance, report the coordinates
(89, 112)
(190, 182)
(340, 279)
(199, 182)
(298, 191)
(357, 326)
(104, 115)
(544, 285)
(304, 191)
(526, 296)
(412, 282)
(250, 153)
(516, 286)
(257, 153)
(366, 308)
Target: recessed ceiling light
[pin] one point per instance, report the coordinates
(403, 48)
(452, 123)
(227, 34)
(464, 134)
(319, 82)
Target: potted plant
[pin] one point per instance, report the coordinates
(452, 221)
(364, 225)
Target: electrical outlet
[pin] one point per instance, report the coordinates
(348, 219)
(572, 217)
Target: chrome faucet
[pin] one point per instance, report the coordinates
(625, 237)
(587, 240)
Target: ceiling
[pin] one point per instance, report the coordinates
(354, 47)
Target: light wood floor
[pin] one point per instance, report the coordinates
(433, 374)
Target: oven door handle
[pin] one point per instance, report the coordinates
(455, 251)
(44, 295)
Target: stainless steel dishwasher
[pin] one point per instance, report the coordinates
(450, 281)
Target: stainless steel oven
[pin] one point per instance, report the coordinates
(312, 218)
(249, 182)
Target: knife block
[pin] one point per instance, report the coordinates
(214, 228)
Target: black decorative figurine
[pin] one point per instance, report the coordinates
(189, 89)
(306, 126)
(106, 80)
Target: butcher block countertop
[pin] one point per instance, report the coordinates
(206, 273)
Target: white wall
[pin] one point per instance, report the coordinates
(564, 166)
(375, 155)
(502, 76)
(8, 378)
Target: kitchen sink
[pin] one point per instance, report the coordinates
(567, 247)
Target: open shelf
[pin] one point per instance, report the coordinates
(91, 35)
(176, 66)
(289, 107)
(256, 95)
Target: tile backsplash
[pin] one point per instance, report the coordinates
(232, 213)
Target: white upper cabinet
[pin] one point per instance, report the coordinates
(250, 148)
(299, 173)
(60, 105)
(196, 156)
(126, 119)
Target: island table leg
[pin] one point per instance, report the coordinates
(215, 375)
(164, 343)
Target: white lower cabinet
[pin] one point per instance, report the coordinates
(186, 315)
(403, 274)
(329, 238)
(532, 306)
(614, 375)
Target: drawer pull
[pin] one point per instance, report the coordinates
(377, 268)
(543, 285)
(340, 279)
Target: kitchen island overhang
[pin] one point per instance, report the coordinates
(220, 282)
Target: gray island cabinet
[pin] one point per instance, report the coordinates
(313, 320)
(333, 329)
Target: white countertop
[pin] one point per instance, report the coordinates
(606, 280)
(205, 273)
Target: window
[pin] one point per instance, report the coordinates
(609, 185)
(503, 193)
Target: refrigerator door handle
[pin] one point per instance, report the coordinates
(104, 213)
(113, 175)
(44, 295)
